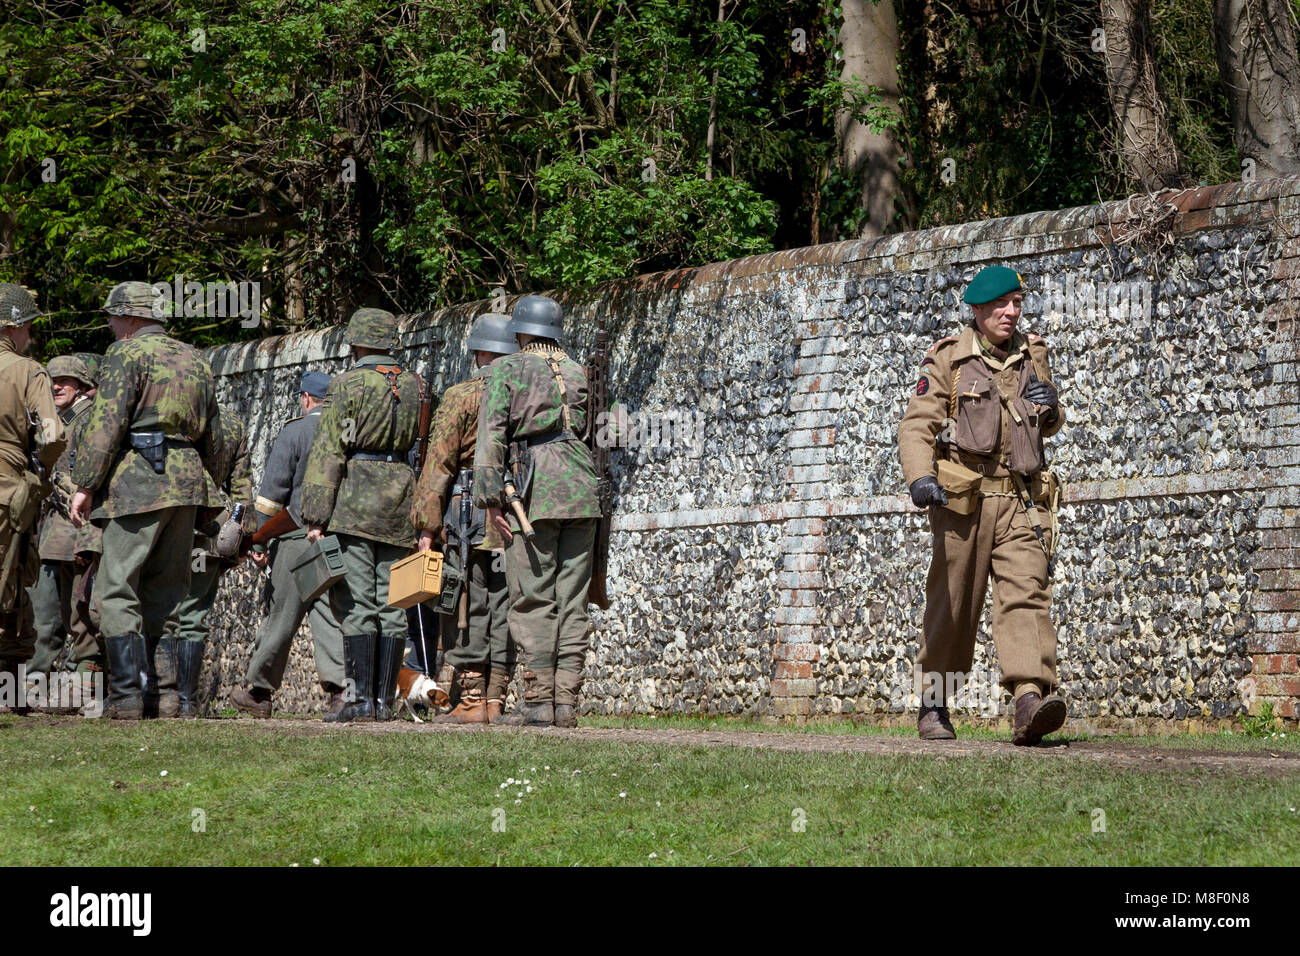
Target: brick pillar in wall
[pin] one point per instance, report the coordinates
(1274, 641)
(814, 403)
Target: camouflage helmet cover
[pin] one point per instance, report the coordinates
(17, 305)
(71, 366)
(372, 329)
(491, 333)
(91, 361)
(138, 299)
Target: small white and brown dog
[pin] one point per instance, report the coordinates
(415, 689)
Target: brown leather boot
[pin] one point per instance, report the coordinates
(933, 724)
(1036, 717)
(472, 708)
(256, 704)
(537, 708)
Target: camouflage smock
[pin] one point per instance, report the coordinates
(58, 540)
(369, 499)
(452, 438)
(149, 382)
(521, 400)
(231, 481)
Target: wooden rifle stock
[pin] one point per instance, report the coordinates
(278, 524)
(426, 414)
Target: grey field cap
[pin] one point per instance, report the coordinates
(491, 333)
(537, 315)
(17, 305)
(139, 300)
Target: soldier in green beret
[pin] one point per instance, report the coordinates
(358, 485)
(152, 436)
(971, 446)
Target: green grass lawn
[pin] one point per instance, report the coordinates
(1237, 740)
(223, 792)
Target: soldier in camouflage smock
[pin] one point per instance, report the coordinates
(536, 399)
(186, 640)
(62, 608)
(358, 486)
(30, 430)
(151, 436)
(484, 645)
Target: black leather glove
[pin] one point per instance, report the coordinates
(1042, 393)
(927, 491)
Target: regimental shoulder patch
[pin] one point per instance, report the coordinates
(1034, 337)
(922, 385)
(928, 360)
(951, 338)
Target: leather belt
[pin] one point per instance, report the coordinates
(563, 434)
(389, 456)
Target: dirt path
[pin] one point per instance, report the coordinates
(1109, 752)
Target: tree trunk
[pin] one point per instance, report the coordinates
(1255, 43)
(1147, 149)
(869, 41)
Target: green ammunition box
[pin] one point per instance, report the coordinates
(316, 573)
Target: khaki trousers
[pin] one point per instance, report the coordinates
(996, 539)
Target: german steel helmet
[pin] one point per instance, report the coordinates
(491, 333)
(537, 315)
(17, 306)
(372, 329)
(137, 299)
(71, 366)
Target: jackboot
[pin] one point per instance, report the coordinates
(126, 664)
(165, 666)
(498, 686)
(472, 709)
(567, 685)
(358, 666)
(536, 708)
(389, 652)
(189, 664)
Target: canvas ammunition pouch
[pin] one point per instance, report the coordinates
(29, 490)
(961, 484)
(153, 446)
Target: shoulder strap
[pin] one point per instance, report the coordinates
(564, 399)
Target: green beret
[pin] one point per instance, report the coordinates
(992, 282)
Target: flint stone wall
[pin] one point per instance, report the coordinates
(776, 568)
